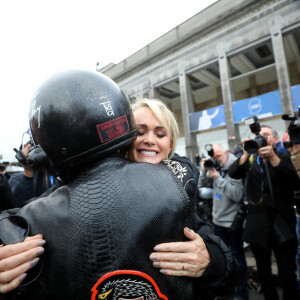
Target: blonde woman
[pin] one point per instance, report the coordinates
(157, 133)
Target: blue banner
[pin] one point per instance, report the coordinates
(295, 90)
(209, 118)
(262, 106)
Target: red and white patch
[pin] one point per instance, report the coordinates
(126, 284)
(113, 129)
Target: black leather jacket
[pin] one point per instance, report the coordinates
(105, 221)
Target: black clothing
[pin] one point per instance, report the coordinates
(285, 257)
(6, 196)
(24, 188)
(187, 173)
(270, 222)
(99, 223)
(262, 212)
(217, 282)
(105, 221)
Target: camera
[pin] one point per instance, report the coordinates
(211, 163)
(37, 159)
(259, 141)
(294, 127)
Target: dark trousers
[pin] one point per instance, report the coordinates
(236, 246)
(285, 255)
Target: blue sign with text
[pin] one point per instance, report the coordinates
(262, 106)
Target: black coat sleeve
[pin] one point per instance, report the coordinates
(237, 171)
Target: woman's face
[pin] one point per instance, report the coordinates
(153, 142)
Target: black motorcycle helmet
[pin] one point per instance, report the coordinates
(78, 115)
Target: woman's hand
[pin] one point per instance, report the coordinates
(189, 258)
(17, 259)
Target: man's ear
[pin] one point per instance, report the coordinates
(277, 139)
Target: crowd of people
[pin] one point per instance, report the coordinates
(262, 190)
(115, 215)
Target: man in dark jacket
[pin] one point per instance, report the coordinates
(6, 197)
(102, 225)
(30, 183)
(270, 224)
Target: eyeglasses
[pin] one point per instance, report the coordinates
(13, 230)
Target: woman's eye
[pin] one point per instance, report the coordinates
(140, 133)
(160, 135)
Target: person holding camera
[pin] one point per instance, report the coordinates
(31, 183)
(227, 195)
(294, 134)
(270, 223)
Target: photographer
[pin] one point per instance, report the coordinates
(31, 183)
(270, 223)
(227, 193)
(294, 134)
(6, 197)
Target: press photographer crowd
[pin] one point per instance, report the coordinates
(77, 219)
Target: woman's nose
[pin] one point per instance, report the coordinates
(149, 138)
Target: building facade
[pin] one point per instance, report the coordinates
(233, 51)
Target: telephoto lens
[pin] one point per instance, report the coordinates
(252, 146)
(209, 164)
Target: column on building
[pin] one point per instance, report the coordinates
(281, 65)
(187, 107)
(233, 135)
(153, 92)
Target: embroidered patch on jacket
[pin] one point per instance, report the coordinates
(176, 167)
(126, 284)
(113, 129)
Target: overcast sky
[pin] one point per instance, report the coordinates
(42, 37)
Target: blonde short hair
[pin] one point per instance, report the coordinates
(164, 116)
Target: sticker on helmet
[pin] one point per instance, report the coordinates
(108, 108)
(113, 129)
(126, 284)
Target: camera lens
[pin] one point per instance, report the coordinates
(251, 146)
(209, 164)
